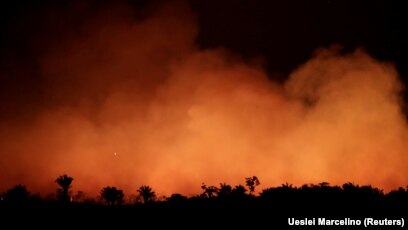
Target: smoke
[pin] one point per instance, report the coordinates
(131, 100)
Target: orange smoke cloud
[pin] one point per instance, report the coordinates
(134, 101)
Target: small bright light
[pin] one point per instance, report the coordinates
(115, 154)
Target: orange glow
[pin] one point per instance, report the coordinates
(135, 102)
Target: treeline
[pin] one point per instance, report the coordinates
(286, 198)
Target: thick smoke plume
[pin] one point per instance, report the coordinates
(131, 100)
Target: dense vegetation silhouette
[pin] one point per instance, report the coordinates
(17, 195)
(285, 199)
(112, 195)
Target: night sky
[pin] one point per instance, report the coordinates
(195, 84)
(284, 34)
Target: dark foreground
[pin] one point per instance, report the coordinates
(272, 209)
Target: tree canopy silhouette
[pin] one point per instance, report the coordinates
(225, 190)
(64, 182)
(147, 193)
(287, 197)
(208, 191)
(251, 183)
(238, 191)
(17, 195)
(112, 195)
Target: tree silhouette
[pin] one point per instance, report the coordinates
(324, 184)
(287, 187)
(176, 198)
(251, 183)
(224, 190)
(239, 191)
(147, 193)
(208, 191)
(350, 187)
(64, 182)
(285, 197)
(17, 195)
(112, 195)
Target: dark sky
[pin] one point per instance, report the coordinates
(287, 32)
(284, 33)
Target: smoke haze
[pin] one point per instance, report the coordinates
(129, 100)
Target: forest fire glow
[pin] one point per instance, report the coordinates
(175, 115)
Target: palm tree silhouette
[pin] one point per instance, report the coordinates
(64, 182)
(112, 195)
(147, 193)
(208, 191)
